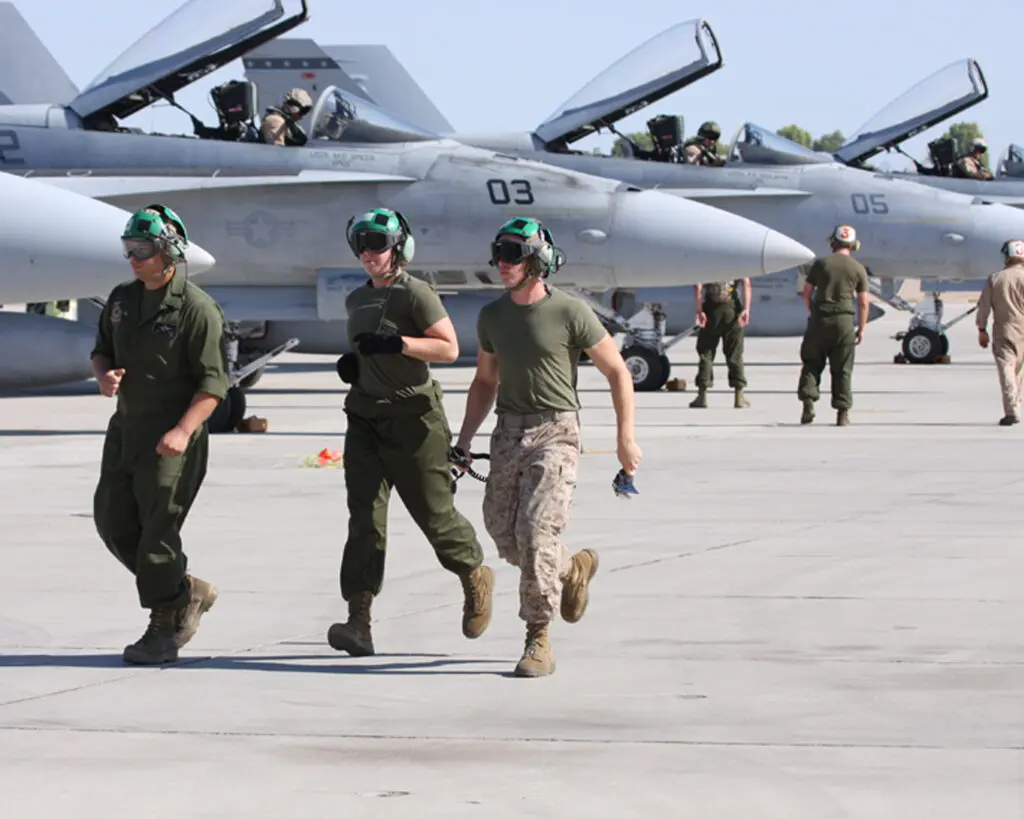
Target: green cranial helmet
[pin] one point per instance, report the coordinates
(537, 242)
(379, 229)
(709, 130)
(161, 226)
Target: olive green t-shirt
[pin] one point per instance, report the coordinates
(836, 278)
(538, 348)
(406, 307)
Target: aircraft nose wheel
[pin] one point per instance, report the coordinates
(922, 346)
(650, 370)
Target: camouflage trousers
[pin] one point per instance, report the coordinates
(534, 460)
(1010, 366)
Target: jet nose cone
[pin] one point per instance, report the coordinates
(782, 253)
(663, 239)
(198, 260)
(993, 225)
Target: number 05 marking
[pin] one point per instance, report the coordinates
(862, 203)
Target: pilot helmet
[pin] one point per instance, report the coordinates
(377, 230)
(1013, 250)
(161, 226)
(298, 100)
(531, 240)
(844, 236)
(978, 144)
(709, 130)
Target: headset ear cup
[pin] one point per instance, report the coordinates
(856, 245)
(408, 248)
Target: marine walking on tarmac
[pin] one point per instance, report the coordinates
(398, 434)
(530, 340)
(721, 317)
(833, 284)
(159, 350)
(1002, 298)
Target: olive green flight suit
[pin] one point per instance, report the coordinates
(831, 333)
(169, 342)
(398, 437)
(722, 308)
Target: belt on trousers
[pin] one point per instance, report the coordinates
(534, 419)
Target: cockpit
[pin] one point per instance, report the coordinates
(340, 116)
(759, 146)
(1013, 162)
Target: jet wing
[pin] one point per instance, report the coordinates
(103, 187)
(195, 40)
(944, 94)
(665, 63)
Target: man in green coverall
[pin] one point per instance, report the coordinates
(834, 282)
(159, 351)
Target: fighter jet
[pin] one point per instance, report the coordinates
(275, 216)
(55, 245)
(939, 97)
(907, 230)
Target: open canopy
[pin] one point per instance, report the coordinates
(944, 94)
(665, 63)
(195, 40)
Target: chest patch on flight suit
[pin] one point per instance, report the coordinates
(116, 313)
(165, 329)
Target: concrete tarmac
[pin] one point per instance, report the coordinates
(788, 621)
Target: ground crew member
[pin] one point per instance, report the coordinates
(1002, 297)
(703, 149)
(970, 164)
(830, 335)
(398, 435)
(530, 340)
(721, 318)
(280, 126)
(159, 351)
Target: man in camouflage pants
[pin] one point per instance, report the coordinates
(530, 340)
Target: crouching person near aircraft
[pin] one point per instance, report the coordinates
(159, 351)
(721, 317)
(530, 340)
(1002, 297)
(830, 335)
(398, 435)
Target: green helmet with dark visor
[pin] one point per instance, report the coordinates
(155, 229)
(377, 230)
(524, 238)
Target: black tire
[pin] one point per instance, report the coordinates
(648, 368)
(921, 346)
(229, 412)
(943, 344)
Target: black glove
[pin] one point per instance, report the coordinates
(348, 368)
(374, 343)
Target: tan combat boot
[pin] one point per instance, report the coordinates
(537, 659)
(157, 644)
(739, 402)
(701, 401)
(354, 635)
(808, 414)
(842, 418)
(478, 586)
(575, 587)
(202, 596)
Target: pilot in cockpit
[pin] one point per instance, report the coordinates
(970, 165)
(703, 149)
(280, 126)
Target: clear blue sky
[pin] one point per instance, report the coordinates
(506, 66)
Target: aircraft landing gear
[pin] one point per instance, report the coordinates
(925, 340)
(644, 348)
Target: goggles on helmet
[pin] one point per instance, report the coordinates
(510, 251)
(373, 240)
(141, 249)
